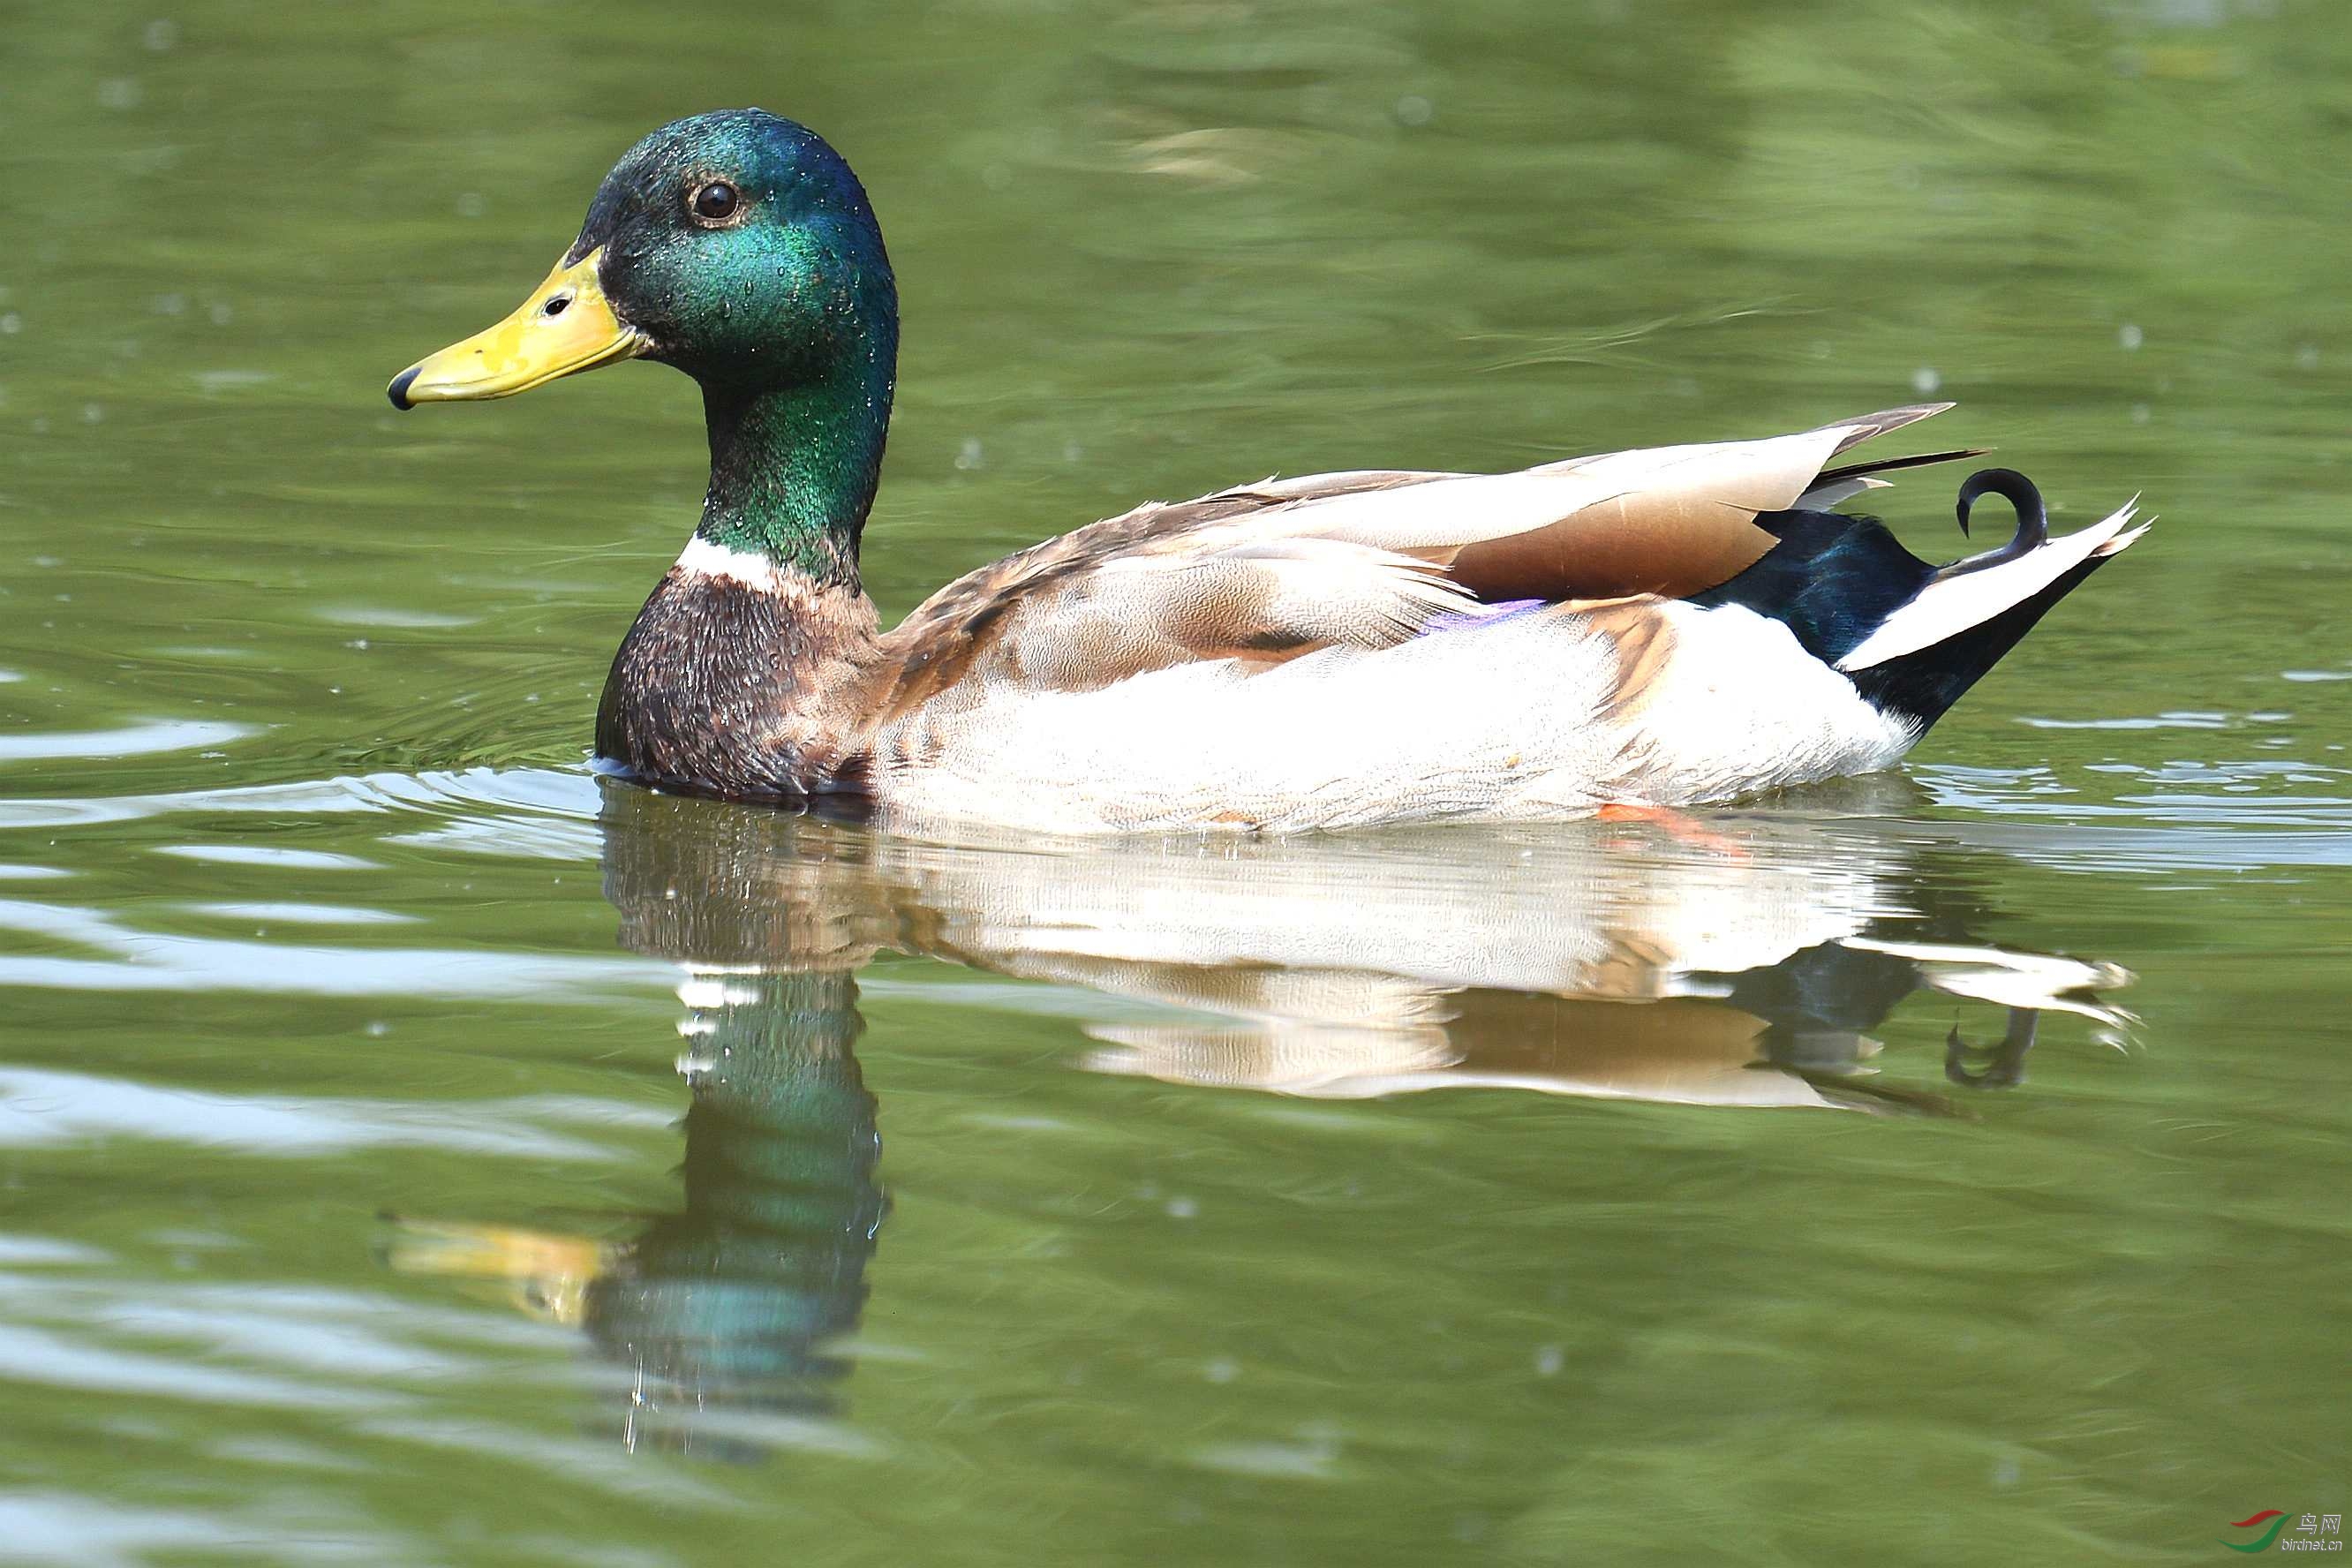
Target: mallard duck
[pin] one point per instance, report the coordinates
(1637, 630)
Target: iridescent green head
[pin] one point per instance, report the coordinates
(743, 249)
(738, 247)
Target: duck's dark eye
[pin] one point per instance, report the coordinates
(556, 305)
(715, 202)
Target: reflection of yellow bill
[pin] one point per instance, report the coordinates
(566, 325)
(549, 1275)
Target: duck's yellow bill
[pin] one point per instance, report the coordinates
(566, 325)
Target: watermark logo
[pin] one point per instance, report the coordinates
(2275, 1517)
(2312, 1532)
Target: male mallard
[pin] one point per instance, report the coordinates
(1642, 629)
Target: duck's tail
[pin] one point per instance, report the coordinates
(1913, 637)
(1937, 645)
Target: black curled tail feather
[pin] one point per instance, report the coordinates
(2033, 518)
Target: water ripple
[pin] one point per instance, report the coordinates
(40, 1107)
(152, 961)
(130, 741)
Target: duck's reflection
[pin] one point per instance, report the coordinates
(1744, 966)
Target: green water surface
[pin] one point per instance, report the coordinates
(414, 1149)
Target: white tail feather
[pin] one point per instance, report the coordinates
(2122, 541)
(1947, 608)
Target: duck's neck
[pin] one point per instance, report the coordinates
(793, 469)
(748, 670)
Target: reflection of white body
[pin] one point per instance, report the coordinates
(1578, 959)
(1576, 911)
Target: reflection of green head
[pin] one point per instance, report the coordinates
(733, 1299)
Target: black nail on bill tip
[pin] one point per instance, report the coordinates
(398, 390)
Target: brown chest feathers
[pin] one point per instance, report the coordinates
(742, 690)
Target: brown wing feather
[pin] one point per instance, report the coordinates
(1692, 530)
(1671, 547)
